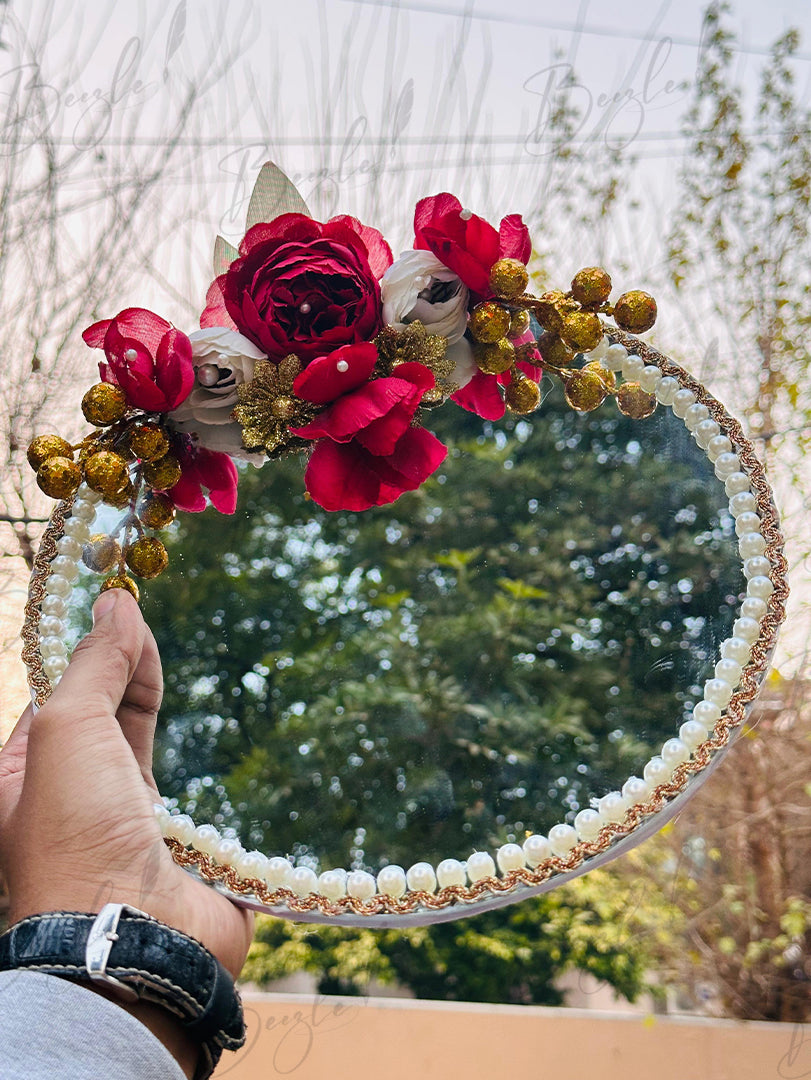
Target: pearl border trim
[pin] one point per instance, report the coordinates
(277, 883)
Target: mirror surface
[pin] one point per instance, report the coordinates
(451, 672)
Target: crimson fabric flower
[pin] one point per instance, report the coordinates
(303, 287)
(208, 469)
(366, 452)
(481, 395)
(466, 243)
(146, 357)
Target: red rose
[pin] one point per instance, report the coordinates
(366, 453)
(468, 245)
(303, 287)
(146, 357)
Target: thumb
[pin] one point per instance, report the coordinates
(102, 664)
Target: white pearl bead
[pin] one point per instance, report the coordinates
(70, 547)
(706, 713)
(450, 872)
(562, 838)
(342, 366)
(227, 850)
(54, 666)
(361, 885)
(705, 431)
(510, 857)
(635, 790)
(718, 691)
(759, 585)
(305, 308)
(650, 378)
(162, 815)
(83, 510)
(718, 446)
(599, 351)
(465, 214)
(747, 522)
(674, 752)
(692, 734)
(615, 357)
(729, 671)
(391, 881)
(612, 807)
(694, 415)
(421, 877)
(251, 864)
(632, 368)
(758, 566)
(180, 827)
(303, 881)
(206, 838)
(56, 585)
(131, 354)
(208, 374)
(667, 390)
(77, 528)
(65, 567)
(50, 626)
(536, 850)
(52, 646)
(726, 465)
(88, 494)
(332, 884)
(587, 824)
(751, 544)
(742, 503)
(748, 629)
(682, 400)
(657, 771)
(736, 484)
(480, 865)
(277, 872)
(54, 605)
(735, 648)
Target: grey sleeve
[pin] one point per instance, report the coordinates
(52, 1028)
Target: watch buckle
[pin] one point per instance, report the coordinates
(100, 941)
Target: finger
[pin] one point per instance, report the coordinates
(12, 767)
(95, 682)
(138, 711)
(15, 744)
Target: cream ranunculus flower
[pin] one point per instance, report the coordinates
(223, 360)
(418, 286)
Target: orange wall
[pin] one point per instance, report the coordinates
(332, 1038)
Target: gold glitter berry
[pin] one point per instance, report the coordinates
(106, 472)
(103, 404)
(48, 446)
(550, 309)
(608, 377)
(156, 511)
(582, 331)
(121, 581)
(162, 474)
(489, 322)
(553, 350)
(584, 390)
(123, 497)
(519, 324)
(149, 442)
(633, 401)
(591, 285)
(59, 477)
(101, 553)
(522, 396)
(147, 557)
(508, 278)
(635, 312)
(496, 358)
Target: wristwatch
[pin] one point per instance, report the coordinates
(135, 958)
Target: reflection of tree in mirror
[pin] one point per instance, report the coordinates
(449, 672)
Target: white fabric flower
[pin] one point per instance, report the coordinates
(418, 286)
(223, 360)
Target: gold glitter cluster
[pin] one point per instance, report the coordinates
(268, 408)
(415, 345)
(570, 323)
(128, 461)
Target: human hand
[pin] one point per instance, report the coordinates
(77, 828)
